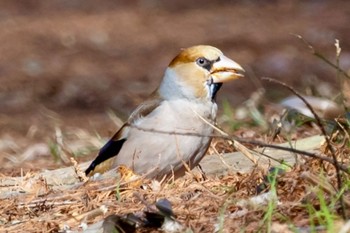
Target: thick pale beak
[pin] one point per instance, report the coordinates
(226, 70)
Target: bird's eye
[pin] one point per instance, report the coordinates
(203, 62)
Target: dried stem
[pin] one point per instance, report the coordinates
(323, 58)
(342, 167)
(320, 125)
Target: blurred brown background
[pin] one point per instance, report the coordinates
(67, 62)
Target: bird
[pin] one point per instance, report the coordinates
(170, 132)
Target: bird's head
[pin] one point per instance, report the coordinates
(198, 73)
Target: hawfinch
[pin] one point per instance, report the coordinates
(172, 127)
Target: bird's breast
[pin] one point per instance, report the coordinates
(185, 114)
(175, 132)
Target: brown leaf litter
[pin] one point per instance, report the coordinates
(199, 202)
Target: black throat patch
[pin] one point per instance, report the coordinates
(214, 88)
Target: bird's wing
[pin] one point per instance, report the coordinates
(110, 149)
(115, 144)
(145, 108)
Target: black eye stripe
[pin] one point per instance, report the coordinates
(205, 63)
